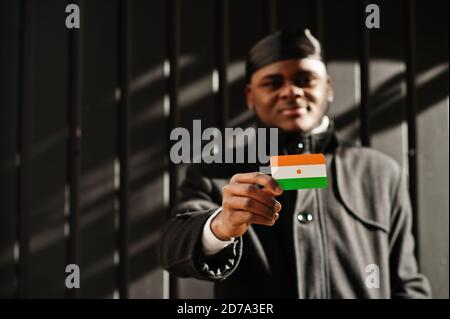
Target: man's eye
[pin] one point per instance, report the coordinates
(273, 84)
(304, 82)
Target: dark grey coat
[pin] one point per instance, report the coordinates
(362, 218)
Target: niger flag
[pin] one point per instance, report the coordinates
(299, 171)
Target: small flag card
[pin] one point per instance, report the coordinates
(299, 171)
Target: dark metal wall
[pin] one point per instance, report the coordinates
(85, 176)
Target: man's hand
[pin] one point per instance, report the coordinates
(247, 199)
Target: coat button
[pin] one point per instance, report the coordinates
(304, 218)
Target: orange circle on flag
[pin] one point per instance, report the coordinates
(299, 171)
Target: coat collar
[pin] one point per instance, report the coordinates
(323, 142)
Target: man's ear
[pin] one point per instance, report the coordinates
(330, 91)
(249, 97)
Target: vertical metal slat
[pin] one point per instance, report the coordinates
(124, 142)
(222, 56)
(411, 110)
(173, 50)
(270, 16)
(364, 86)
(74, 145)
(25, 140)
(319, 24)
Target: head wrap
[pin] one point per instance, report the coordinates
(282, 45)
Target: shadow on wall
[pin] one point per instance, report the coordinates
(388, 97)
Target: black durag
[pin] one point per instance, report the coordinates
(282, 45)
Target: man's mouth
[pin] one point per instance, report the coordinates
(297, 110)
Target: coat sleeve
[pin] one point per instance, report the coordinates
(180, 249)
(406, 281)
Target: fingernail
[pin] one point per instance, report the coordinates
(277, 207)
(275, 216)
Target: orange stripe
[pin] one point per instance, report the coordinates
(303, 159)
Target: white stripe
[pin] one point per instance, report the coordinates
(281, 172)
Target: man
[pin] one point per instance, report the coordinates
(235, 226)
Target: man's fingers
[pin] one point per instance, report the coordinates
(267, 182)
(253, 191)
(248, 199)
(250, 218)
(250, 205)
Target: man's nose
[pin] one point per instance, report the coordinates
(291, 91)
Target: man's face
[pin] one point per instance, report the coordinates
(291, 94)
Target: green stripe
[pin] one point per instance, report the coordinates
(301, 183)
